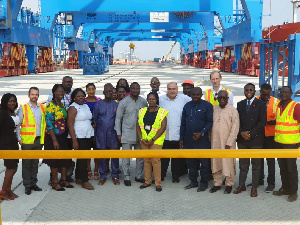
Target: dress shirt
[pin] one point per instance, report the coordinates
(37, 116)
(230, 100)
(175, 108)
(160, 93)
(251, 101)
(126, 118)
(66, 99)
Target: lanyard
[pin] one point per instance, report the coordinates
(67, 98)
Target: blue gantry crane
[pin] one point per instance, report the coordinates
(89, 29)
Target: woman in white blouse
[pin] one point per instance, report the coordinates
(80, 132)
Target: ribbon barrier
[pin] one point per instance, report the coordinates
(166, 153)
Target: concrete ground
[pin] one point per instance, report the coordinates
(111, 204)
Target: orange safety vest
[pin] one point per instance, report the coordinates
(28, 127)
(210, 97)
(271, 115)
(287, 129)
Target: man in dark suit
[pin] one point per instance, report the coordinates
(253, 118)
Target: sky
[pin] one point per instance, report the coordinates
(274, 12)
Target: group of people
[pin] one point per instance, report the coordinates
(156, 120)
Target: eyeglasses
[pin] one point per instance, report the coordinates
(249, 89)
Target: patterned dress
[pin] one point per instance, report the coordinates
(56, 117)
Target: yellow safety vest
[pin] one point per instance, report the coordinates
(210, 97)
(161, 114)
(28, 127)
(287, 130)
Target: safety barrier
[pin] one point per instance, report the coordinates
(169, 153)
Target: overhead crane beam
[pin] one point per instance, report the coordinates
(223, 6)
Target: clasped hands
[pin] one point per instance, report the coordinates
(246, 135)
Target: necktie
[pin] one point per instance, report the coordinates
(248, 104)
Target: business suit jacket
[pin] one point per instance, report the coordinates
(253, 120)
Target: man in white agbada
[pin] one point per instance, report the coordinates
(224, 132)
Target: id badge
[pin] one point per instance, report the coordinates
(147, 127)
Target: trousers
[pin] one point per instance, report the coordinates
(288, 169)
(205, 171)
(152, 164)
(30, 166)
(126, 162)
(178, 166)
(114, 168)
(269, 143)
(244, 165)
(81, 171)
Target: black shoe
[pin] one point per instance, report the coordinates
(127, 182)
(201, 189)
(215, 189)
(140, 180)
(228, 190)
(270, 188)
(162, 178)
(158, 188)
(143, 186)
(36, 188)
(190, 186)
(175, 179)
(27, 190)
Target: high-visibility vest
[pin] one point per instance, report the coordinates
(271, 115)
(28, 127)
(287, 130)
(161, 114)
(210, 97)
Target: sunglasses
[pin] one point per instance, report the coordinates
(249, 89)
(154, 82)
